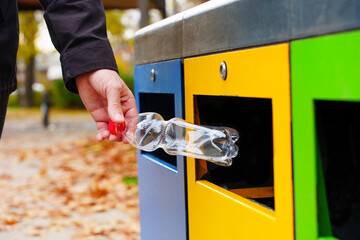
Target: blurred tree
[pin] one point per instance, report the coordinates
(27, 51)
(116, 28)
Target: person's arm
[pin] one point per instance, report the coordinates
(78, 31)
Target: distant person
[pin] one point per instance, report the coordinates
(45, 108)
(78, 31)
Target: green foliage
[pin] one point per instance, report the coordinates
(62, 98)
(126, 72)
(14, 100)
(129, 80)
(129, 181)
(38, 98)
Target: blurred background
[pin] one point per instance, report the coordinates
(56, 181)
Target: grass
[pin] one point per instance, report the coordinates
(130, 181)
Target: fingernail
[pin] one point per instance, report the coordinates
(119, 117)
(99, 138)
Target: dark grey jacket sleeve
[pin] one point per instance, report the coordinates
(78, 31)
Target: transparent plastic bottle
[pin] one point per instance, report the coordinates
(178, 137)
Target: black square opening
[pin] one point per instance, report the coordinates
(338, 139)
(162, 103)
(251, 174)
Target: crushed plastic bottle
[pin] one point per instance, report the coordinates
(178, 137)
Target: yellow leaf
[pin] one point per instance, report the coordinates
(43, 171)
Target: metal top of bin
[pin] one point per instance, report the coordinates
(219, 25)
(159, 41)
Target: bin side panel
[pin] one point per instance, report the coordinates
(161, 188)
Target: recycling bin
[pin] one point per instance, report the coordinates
(254, 98)
(326, 128)
(159, 88)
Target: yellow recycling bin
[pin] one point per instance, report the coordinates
(248, 90)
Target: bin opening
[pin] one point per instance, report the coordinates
(338, 139)
(251, 174)
(164, 104)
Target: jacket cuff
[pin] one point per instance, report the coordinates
(86, 58)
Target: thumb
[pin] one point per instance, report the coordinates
(114, 105)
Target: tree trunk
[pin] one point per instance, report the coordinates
(28, 97)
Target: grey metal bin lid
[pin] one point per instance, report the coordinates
(222, 25)
(159, 41)
(226, 25)
(317, 17)
(211, 27)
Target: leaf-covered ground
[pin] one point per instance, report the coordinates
(61, 184)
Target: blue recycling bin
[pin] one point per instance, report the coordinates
(159, 88)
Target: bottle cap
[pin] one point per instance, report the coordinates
(116, 129)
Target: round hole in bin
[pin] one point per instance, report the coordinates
(223, 70)
(153, 75)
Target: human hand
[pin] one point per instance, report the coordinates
(106, 96)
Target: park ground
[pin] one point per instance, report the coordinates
(59, 183)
